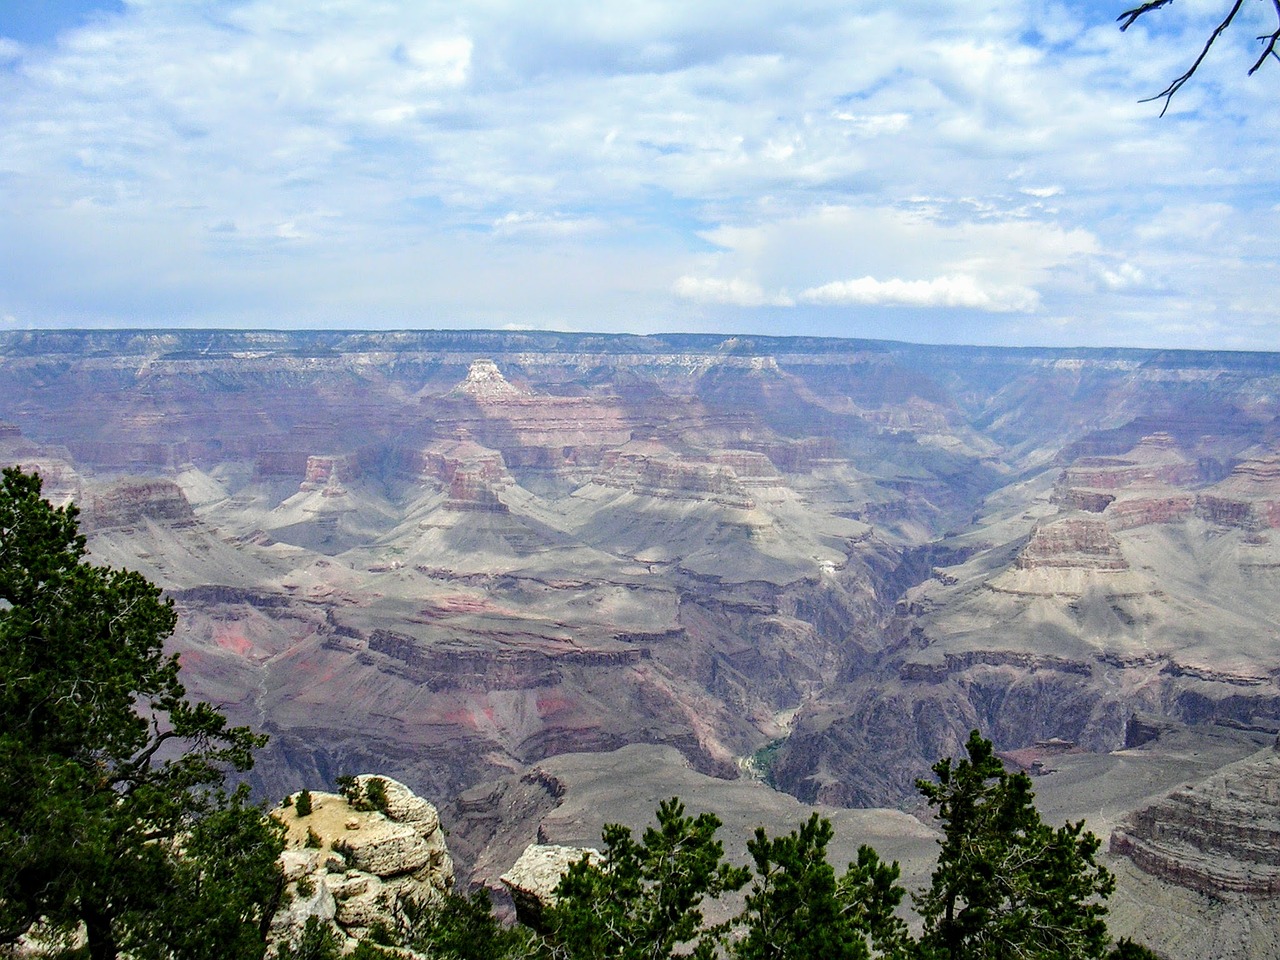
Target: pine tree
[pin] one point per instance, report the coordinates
(1005, 884)
(642, 902)
(110, 808)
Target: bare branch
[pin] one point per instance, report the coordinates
(1126, 19)
(1270, 41)
(1168, 92)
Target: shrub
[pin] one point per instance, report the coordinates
(375, 790)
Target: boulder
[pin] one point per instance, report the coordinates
(534, 877)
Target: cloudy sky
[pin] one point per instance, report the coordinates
(974, 171)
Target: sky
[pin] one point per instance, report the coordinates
(974, 171)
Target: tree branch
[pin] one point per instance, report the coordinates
(1127, 19)
(1168, 92)
(1270, 39)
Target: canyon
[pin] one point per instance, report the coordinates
(457, 557)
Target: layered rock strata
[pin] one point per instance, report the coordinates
(1220, 836)
(130, 503)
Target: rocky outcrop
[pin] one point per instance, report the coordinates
(354, 866)
(532, 879)
(1081, 542)
(1146, 485)
(1219, 836)
(329, 473)
(485, 382)
(650, 469)
(129, 503)
(1249, 498)
(455, 667)
(1170, 506)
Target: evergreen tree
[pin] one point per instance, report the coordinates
(464, 928)
(1005, 884)
(798, 910)
(642, 902)
(110, 813)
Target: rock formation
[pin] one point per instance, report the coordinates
(1220, 836)
(354, 867)
(130, 503)
(533, 878)
(450, 554)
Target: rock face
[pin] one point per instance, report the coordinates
(533, 878)
(354, 867)
(1220, 836)
(485, 382)
(1082, 542)
(129, 503)
(1249, 498)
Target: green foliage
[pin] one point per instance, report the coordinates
(464, 928)
(642, 902)
(349, 787)
(371, 795)
(110, 812)
(287, 802)
(870, 894)
(368, 950)
(343, 849)
(375, 791)
(762, 761)
(1006, 884)
(1126, 949)
(317, 942)
(306, 887)
(798, 910)
(303, 806)
(224, 887)
(313, 840)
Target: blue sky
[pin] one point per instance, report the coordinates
(976, 171)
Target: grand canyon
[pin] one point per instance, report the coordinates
(516, 569)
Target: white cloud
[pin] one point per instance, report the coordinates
(735, 291)
(1126, 276)
(575, 157)
(872, 125)
(957, 290)
(528, 223)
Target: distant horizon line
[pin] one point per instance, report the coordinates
(699, 336)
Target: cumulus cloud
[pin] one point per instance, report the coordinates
(952, 291)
